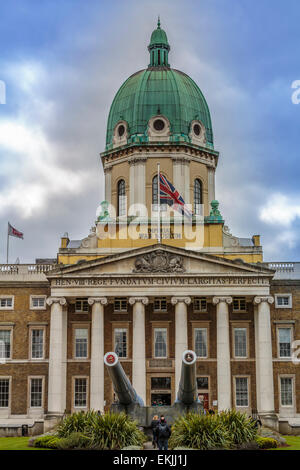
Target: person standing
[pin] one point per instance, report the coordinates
(154, 424)
(163, 432)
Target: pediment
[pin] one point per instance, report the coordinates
(162, 260)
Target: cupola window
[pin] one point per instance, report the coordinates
(197, 129)
(158, 124)
(121, 130)
(154, 190)
(121, 198)
(197, 196)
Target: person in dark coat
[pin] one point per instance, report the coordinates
(163, 432)
(154, 424)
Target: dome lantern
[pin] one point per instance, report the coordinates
(159, 48)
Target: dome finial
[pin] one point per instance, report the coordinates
(158, 22)
(159, 47)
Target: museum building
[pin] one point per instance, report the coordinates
(140, 285)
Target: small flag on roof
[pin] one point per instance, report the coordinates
(13, 232)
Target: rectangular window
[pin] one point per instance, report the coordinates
(160, 342)
(286, 391)
(4, 393)
(200, 342)
(36, 393)
(81, 343)
(160, 304)
(240, 342)
(202, 383)
(6, 303)
(5, 342)
(200, 304)
(239, 304)
(283, 301)
(37, 344)
(120, 304)
(38, 302)
(80, 393)
(160, 383)
(284, 340)
(81, 306)
(121, 342)
(241, 391)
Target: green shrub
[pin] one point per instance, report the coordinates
(266, 442)
(108, 431)
(199, 432)
(76, 440)
(115, 431)
(241, 428)
(77, 422)
(47, 441)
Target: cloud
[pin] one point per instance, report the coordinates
(280, 209)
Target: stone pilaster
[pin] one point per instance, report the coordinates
(181, 334)
(57, 356)
(223, 353)
(139, 346)
(97, 353)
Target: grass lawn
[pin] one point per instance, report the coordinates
(16, 443)
(293, 443)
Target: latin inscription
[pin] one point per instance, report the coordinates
(161, 281)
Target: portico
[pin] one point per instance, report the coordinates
(217, 280)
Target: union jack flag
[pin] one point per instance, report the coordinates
(169, 195)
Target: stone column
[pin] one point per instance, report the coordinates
(264, 363)
(97, 353)
(223, 353)
(211, 185)
(181, 177)
(138, 345)
(107, 173)
(181, 334)
(57, 356)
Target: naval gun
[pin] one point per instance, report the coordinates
(133, 405)
(125, 392)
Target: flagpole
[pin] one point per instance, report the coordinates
(7, 246)
(158, 203)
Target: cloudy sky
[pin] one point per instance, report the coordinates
(62, 62)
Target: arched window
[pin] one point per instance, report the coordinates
(154, 190)
(197, 196)
(121, 198)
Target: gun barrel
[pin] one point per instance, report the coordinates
(122, 386)
(187, 390)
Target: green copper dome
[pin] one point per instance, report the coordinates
(159, 90)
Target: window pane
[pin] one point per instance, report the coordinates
(202, 383)
(5, 344)
(160, 383)
(81, 305)
(239, 303)
(284, 342)
(201, 342)
(241, 388)
(121, 198)
(6, 302)
(160, 304)
(120, 304)
(36, 392)
(37, 338)
(197, 197)
(240, 342)
(286, 391)
(283, 300)
(154, 190)
(4, 393)
(38, 301)
(81, 342)
(121, 342)
(200, 304)
(160, 342)
(80, 398)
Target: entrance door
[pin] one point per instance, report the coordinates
(160, 399)
(203, 397)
